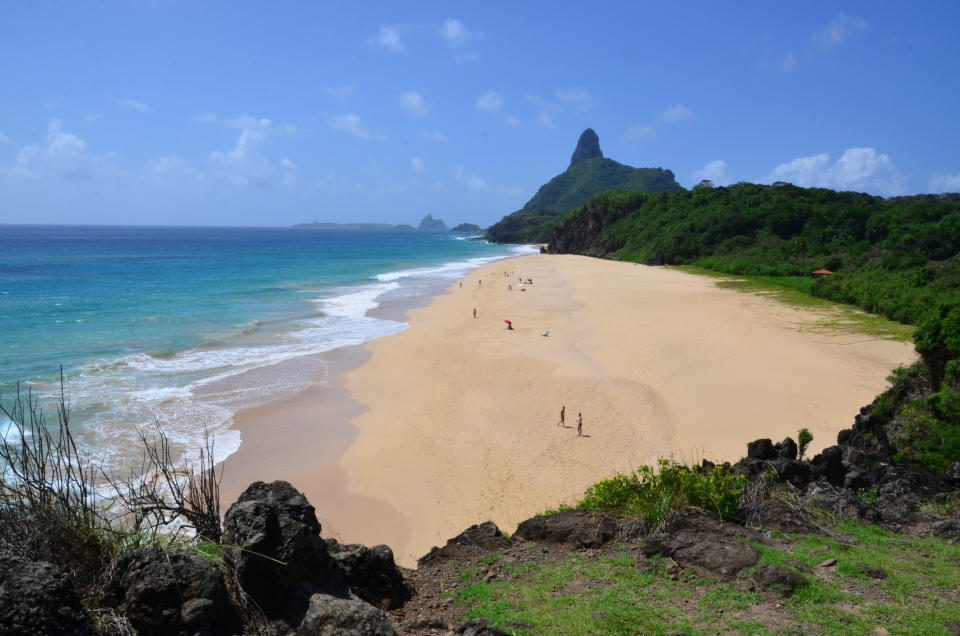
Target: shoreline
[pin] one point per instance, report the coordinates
(453, 420)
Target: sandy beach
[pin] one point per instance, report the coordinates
(455, 420)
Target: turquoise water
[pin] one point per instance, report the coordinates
(189, 325)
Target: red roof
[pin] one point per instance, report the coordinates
(822, 271)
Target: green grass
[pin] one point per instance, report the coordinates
(795, 291)
(621, 593)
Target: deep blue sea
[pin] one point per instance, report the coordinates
(189, 325)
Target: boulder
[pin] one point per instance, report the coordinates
(700, 541)
(776, 578)
(38, 598)
(485, 536)
(787, 449)
(779, 515)
(171, 592)
(823, 495)
(371, 573)
(478, 627)
(761, 449)
(828, 465)
(951, 474)
(277, 553)
(331, 616)
(577, 528)
(948, 529)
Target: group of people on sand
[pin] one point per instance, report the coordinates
(563, 420)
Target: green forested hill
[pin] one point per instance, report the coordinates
(589, 174)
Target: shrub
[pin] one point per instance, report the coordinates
(804, 437)
(650, 494)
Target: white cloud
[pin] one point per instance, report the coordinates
(434, 135)
(490, 102)
(860, 169)
(454, 32)
(244, 122)
(414, 104)
(290, 172)
(63, 155)
(388, 37)
(171, 168)
(639, 132)
(944, 183)
(4, 139)
(544, 120)
(351, 123)
(92, 118)
(472, 182)
(513, 121)
(576, 99)
(677, 113)
(135, 104)
(245, 163)
(715, 171)
(417, 164)
(342, 91)
(838, 31)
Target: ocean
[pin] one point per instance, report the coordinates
(188, 326)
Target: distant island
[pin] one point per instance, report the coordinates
(427, 224)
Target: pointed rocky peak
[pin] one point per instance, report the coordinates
(587, 148)
(432, 224)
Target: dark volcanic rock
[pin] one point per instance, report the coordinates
(787, 449)
(761, 449)
(948, 529)
(578, 528)
(371, 573)
(696, 539)
(486, 536)
(779, 515)
(828, 465)
(588, 147)
(37, 598)
(331, 616)
(951, 474)
(167, 592)
(279, 557)
(776, 578)
(840, 501)
(478, 627)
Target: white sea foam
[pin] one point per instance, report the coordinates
(185, 391)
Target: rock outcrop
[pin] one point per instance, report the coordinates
(485, 535)
(588, 147)
(172, 592)
(278, 555)
(698, 540)
(38, 598)
(430, 224)
(332, 616)
(371, 573)
(577, 528)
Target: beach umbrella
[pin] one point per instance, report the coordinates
(508, 322)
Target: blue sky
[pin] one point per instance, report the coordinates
(249, 113)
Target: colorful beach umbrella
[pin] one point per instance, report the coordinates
(508, 322)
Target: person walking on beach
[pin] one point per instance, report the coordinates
(474, 312)
(563, 415)
(579, 424)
